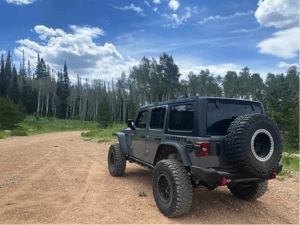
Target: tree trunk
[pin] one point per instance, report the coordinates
(68, 102)
(74, 108)
(124, 109)
(39, 98)
(42, 108)
(47, 106)
(85, 104)
(53, 103)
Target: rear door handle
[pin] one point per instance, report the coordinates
(157, 138)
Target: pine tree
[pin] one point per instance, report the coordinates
(104, 114)
(13, 91)
(40, 69)
(280, 102)
(8, 71)
(10, 113)
(29, 70)
(2, 79)
(66, 83)
(244, 83)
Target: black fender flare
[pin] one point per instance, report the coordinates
(181, 150)
(123, 142)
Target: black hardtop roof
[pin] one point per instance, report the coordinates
(192, 99)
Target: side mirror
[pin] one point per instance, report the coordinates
(130, 124)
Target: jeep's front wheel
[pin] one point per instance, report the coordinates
(116, 161)
(172, 188)
(249, 191)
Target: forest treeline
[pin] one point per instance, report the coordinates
(49, 93)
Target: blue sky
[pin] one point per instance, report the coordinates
(101, 38)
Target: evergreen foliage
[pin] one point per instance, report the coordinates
(8, 72)
(104, 114)
(10, 113)
(40, 69)
(13, 90)
(2, 78)
(281, 102)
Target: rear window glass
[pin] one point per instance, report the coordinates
(181, 117)
(219, 119)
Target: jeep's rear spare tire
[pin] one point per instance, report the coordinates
(253, 145)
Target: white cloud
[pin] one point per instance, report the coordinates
(20, 2)
(46, 32)
(286, 65)
(174, 5)
(176, 19)
(213, 69)
(137, 9)
(278, 13)
(218, 17)
(196, 10)
(156, 1)
(147, 3)
(82, 54)
(155, 9)
(245, 30)
(283, 44)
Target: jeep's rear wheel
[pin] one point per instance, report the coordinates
(249, 191)
(172, 188)
(253, 145)
(116, 160)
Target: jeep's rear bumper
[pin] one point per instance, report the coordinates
(213, 177)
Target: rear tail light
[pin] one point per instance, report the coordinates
(204, 148)
(223, 181)
(273, 175)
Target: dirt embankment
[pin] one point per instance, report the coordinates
(59, 178)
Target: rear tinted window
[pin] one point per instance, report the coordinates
(219, 119)
(181, 117)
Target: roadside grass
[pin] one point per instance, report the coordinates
(31, 125)
(103, 135)
(18, 133)
(290, 165)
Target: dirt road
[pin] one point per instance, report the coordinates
(59, 178)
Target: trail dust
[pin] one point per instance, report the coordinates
(58, 178)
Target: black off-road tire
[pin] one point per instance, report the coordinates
(116, 161)
(172, 188)
(256, 159)
(250, 193)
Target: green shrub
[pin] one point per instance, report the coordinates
(104, 114)
(92, 133)
(104, 140)
(290, 161)
(18, 133)
(50, 119)
(10, 113)
(63, 128)
(1, 137)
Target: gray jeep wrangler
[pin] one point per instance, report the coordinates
(200, 141)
